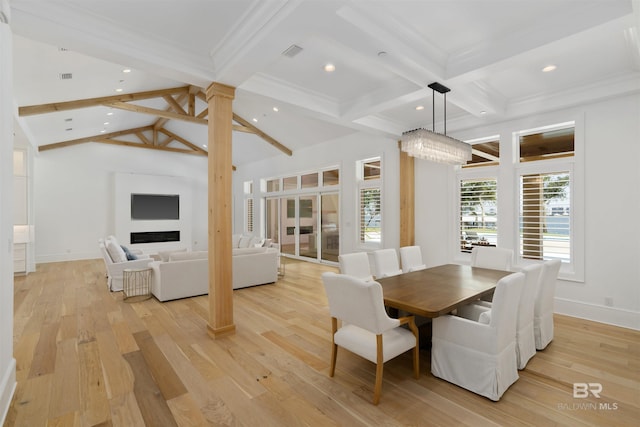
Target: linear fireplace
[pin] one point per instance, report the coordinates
(155, 237)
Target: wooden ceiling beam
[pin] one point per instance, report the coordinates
(262, 135)
(173, 104)
(154, 112)
(93, 138)
(95, 102)
(152, 147)
(182, 140)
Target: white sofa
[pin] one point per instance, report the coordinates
(186, 274)
(115, 261)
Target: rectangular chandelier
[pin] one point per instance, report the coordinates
(436, 147)
(433, 146)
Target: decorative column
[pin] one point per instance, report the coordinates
(407, 200)
(220, 100)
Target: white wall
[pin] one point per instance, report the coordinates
(343, 152)
(75, 192)
(7, 362)
(611, 203)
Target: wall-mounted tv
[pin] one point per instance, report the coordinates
(155, 206)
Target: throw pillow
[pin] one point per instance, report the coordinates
(244, 241)
(115, 252)
(129, 255)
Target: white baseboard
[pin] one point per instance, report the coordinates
(7, 388)
(598, 313)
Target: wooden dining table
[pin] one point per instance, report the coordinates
(435, 291)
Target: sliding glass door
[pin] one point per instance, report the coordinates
(306, 226)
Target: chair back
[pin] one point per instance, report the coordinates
(385, 263)
(357, 302)
(491, 257)
(411, 259)
(532, 274)
(504, 307)
(356, 265)
(547, 287)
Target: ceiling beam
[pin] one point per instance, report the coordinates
(180, 139)
(262, 135)
(95, 102)
(151, 147)
(154, 112)
(93, 138)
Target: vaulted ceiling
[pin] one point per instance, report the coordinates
(385, 52)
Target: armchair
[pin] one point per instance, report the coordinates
(367, 330)
(116, 262)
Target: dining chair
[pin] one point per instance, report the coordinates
(356, 265)
(385, 263)
(543, 308)
(525, 340)
(480, 354)
(411, 259)
(491, 257)
(366, 329)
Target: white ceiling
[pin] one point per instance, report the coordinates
(489, 52)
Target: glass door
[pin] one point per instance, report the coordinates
(330, 227)
(308, 226)
(289, 223)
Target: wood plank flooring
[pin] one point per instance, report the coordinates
(86, 358)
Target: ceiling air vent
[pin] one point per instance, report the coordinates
(292, 51)
(63, 49)
(66, 76)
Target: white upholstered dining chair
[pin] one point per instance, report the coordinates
(366, 328)
(385, 263)
(491, 257)
(356, 265)
(480, 354)
(411, 259)
(525, 341)
(543, 308)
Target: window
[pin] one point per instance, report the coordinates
(369, 200)
(486, 152)
(478, 213)
(309, 180)
(545, 184)
(248, 206)
(331, 177)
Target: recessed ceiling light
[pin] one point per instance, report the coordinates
(549, 68)
(105, 123)
(110, 113)
(126, 70)
(255, 120)
(483, 112)
(103, 131)
(204, 145)
(329, 68)
(276, 109)
(119, 89)
(420, 107)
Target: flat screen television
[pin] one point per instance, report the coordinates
(155, 206)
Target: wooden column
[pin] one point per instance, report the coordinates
(220, 100)
(407, 200)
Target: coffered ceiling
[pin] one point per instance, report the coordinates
(385, 52)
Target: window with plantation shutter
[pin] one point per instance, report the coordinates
(370, 203)
(545, 215)
(248, 206)
(478, 213)
(250, 215)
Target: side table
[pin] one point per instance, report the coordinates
(136, 284)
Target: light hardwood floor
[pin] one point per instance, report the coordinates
(86, 358)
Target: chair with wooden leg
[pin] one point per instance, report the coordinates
(366, 328)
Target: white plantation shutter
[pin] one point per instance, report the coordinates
(545, 216)
(370, 224)
(478, 211)
(249, 217)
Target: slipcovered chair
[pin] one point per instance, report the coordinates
(411, 259)
(543, 308)
(356, 265)
(385, 263)
(525, 341)
(115, 261)
(480, 354)
(366, 329)
(491, 257)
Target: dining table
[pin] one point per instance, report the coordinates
(439, 290)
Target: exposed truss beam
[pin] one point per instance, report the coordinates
(154, 112)
(95, 102)
(262, 135)
(93, 138)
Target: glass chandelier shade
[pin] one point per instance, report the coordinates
(436, 147)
